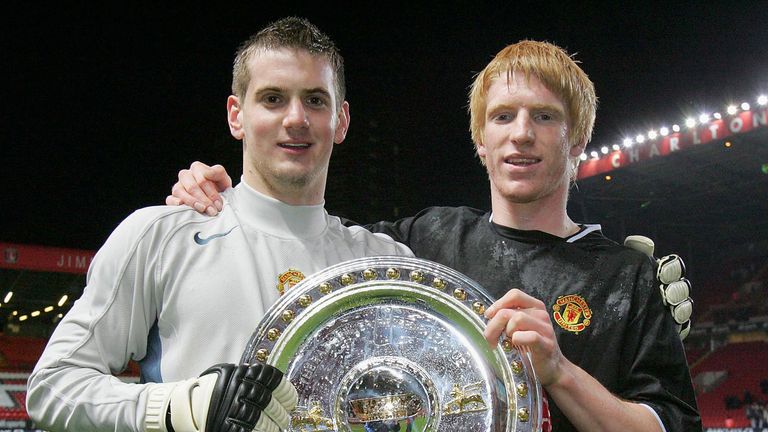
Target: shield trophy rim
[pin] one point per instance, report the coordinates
(302, 297)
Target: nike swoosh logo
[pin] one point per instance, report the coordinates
(204, 241)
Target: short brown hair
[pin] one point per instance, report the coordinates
(290, 32)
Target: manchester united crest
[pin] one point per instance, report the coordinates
(572, 313)
(288, 279)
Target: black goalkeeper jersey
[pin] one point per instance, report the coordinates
(602, 298)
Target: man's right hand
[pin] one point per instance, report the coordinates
(224, 398)
(199, 187)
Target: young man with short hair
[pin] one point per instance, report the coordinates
(182, 293)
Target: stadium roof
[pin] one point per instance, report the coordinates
(705, 197)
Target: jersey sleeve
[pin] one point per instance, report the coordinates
(654, 360)
(73, 386)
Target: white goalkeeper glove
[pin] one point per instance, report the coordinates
(224, 398)
(675, 288)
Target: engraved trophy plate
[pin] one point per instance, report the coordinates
(395, 344)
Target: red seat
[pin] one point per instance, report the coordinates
(745, 365)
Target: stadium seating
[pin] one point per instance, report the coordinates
(744, 364)
(13, 386)
(18, 355)
(20, 352)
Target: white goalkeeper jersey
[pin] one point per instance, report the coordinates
(179, 292)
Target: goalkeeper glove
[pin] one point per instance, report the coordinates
(224, 398)
(675, 288)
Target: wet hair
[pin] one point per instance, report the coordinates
(559, 73)
(291, 32)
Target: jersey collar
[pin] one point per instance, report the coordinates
(275, 217)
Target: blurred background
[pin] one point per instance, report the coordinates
(103, 105)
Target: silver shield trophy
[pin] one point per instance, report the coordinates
(395, 344)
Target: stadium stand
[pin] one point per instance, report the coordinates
(20, 352)
(18, 355)
(729, 372)
(12, 395)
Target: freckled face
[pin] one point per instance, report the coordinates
(525, 141)
(289, 121)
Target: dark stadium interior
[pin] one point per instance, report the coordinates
(700, 203)
(105, 106)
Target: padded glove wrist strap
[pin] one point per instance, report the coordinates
(158, 404)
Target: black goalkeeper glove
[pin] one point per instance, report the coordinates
(225, 398)
(675, 288)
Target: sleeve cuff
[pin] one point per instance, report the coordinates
(655, 415)
(158, 400)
